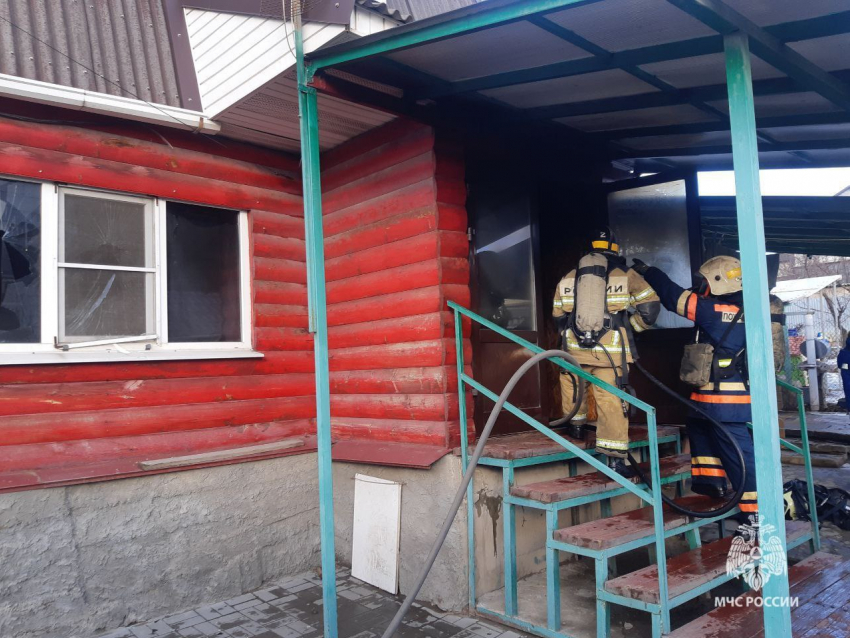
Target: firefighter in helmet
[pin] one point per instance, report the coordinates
(717, 310)
(597, 307)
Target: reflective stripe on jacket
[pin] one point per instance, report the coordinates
(712, 315)
(627, 291)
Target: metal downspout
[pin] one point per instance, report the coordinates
(317, 302)
(777, 619)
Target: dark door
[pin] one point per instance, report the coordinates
(505, 290)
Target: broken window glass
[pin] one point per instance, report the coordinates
(106, 267)
(104, 303)
(107, 232)
(203, 274)
(20, 269)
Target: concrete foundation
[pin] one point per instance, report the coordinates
(77, 561)
(425, 499)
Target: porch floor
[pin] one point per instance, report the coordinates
(292, 608)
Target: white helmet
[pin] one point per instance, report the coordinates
(723, 274)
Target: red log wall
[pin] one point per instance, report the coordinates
(396, 251)
(80, 421)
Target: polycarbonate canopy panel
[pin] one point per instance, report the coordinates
(613, 24)
(592, 68)
(576, 88)
(653, 116)
(785, 104)
(831, 53)
(704, 70)
(679, 141)
(811, 132)
(769, 12)
(516, 46)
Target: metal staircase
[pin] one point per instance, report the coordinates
(656, 589)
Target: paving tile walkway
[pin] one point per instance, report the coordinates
(292, 608)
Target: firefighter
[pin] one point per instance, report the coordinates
(597, 306)
(717, 311)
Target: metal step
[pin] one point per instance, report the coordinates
(523, 445)
(686, 572)
(563, 489)
(807, 580)
(617, 530)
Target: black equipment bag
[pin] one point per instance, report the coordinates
(832, 504)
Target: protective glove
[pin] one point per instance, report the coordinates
(639, 267)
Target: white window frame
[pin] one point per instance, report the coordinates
(153, 290)
(158, 349)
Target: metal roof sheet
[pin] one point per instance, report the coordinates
(411, 10)
(119, 47)
(794, 289)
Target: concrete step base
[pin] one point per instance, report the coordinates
(818, 460)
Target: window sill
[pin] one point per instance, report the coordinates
(114, 356)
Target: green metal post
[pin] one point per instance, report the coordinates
(509, 541)
(777, 620)
(311, 177)
(658, 518)
(810, 480)
(464, 459)
(553, 574)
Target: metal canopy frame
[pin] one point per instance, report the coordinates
(736, 36)
(769, 43)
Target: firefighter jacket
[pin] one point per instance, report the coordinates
(726, 399)
(627, 292)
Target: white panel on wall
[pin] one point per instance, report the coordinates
(376, 532)
(235, 55)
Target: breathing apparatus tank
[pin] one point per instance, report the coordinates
(591, 299)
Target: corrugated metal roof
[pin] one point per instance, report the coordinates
(801, 288)
(123, 41)
(412, 10)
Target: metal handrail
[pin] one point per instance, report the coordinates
(654, 499)
(806, 453)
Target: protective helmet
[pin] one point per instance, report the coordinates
(723, 275)
(603, 240)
